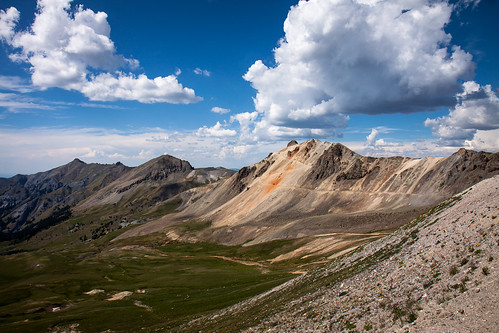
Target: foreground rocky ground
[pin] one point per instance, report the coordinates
(437, 274)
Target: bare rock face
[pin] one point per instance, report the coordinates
(334, 160)
(321, 185)
(157, 179)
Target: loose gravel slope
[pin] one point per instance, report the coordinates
(439, 273)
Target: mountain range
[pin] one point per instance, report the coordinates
(316, 188)
(29, 203)
(314, 237)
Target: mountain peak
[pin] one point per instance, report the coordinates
(77, 161)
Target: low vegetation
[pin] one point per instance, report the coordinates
(172, 282)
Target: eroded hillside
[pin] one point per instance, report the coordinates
(318, 187)
(437, 273)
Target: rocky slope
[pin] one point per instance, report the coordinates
(438, 273)
(319, 187)
(153, 182)
(27, 199)
(29, 203)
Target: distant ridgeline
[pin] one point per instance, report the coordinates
(31, 203)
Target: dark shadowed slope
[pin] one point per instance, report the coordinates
(28, 199)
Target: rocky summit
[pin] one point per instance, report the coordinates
(316, 188)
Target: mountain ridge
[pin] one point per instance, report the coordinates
(322, 184)
(25, 200)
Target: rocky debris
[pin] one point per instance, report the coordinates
(439, 273)
(119, 296)
(141, 305)
(69, 328)
(94, 292)
(292, 143)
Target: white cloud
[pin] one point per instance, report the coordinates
(371, 138)
(107, 87)
(219, 110)
(8, 20)
(462, 4)
(341, 57)
(477, 108)
(72, 50)
(217, 131)
(202, 72)
(14, 83)
(31, 150)
(15, 103)
(484, 140)
(246, 122)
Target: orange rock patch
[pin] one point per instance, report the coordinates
(272, 185)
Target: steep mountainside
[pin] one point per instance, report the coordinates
(29, 203)
(160, 177)
(152, 182)
(46, 196)
(319, 187)
(438, 273)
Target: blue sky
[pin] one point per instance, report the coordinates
(225, 82)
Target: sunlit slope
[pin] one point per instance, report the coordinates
(437, 273)
(319, 187)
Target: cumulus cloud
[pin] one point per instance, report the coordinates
(217, 131)
(202, 72)
(246, 122)
(108, 87)
(72, 50)
(219, 110)
(484, 140)
(8, 20)
(371, 138)
(477, 109)
(342, 57)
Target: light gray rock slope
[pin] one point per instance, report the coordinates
(439, 273)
